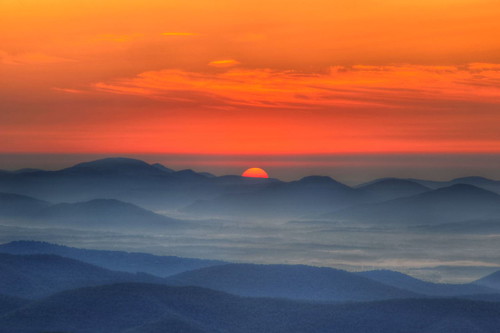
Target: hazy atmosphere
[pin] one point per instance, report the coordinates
(233, 166)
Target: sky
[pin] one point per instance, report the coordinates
(263, 79)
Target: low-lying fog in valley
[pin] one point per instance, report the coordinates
(437, 231)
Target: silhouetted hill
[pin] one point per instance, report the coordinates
(15, 205)
(392, 188)
(34, 276)
(27, 170)
(113, 260)
(105, 214)
(450, 204)
(154, 186)
(163, 168)
(239, 181)
(207, 174)
(19, 171)
(10, 303)
(287, 281)
(116, 166)
(403, 281)
(95, 214)
(306, 196)
(481, 182)
(145, 308)
(490, 281)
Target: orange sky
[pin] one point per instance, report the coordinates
(249, 77)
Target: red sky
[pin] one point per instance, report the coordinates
(259, 77)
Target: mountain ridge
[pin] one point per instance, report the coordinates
(132, 262)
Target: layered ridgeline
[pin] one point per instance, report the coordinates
(98, 214)
(74, 296)
(154, 187)
(305, 196)
(132, 262)
(34, 268)
(147, 308)
(453, 204)
(35, 276)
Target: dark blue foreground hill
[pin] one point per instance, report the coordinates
(406, 282)
(289, 281)
(132, 262)
(147, 308)
(35, 276)
(10, 303)
(490, 281)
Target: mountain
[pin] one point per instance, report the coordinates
(450, 204)
(154, 187)
(306, 196)
(113, 260)
(163, 168)
(490, 281)
(116, 166)
(484, 183)
(123, 179)
(10, 303)
(105, 214)
(287, 281)
(35, 276)
(147, 308)
(392, 188)
(96, 214)
(406, 282)
(24, 170)
(27, 170)
(15, 205)
(481, 182)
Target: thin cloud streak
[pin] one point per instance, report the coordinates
(224, 63)
(356, 86)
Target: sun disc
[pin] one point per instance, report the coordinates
(255, 173)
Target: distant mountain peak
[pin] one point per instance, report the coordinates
(113, 161)
(475, 179)
(27, 170)
(162, 167)
(188, 173)
(392, 188)
(115, 165)
(395, 181)
(318, 180)
(465, 189)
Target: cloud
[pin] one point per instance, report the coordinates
(30, 58)
(390, 87)
(68, 90)
(478, 66)
(224, 63)
(397, 108)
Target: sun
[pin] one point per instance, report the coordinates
(255, 173)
